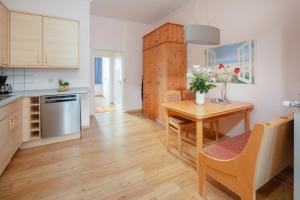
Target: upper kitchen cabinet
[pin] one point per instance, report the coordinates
(41, 41)
(26, 39)
(61, 42)
(4, 34)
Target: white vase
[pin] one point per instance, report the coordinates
(200, 98)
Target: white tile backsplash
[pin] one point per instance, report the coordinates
(19, 79)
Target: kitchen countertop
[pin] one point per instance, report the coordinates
(30, 93)
(35, 93)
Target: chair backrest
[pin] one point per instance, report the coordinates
(276, 150)
(268, 150)
(172, 96)
(188, 95)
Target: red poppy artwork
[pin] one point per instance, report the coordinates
(232, 63)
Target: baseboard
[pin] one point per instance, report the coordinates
(133, 111)
(41, 142)
(85, 127)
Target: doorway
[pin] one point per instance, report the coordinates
(108, 81)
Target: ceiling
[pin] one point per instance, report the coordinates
(143, 11)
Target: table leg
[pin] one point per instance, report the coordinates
(199, 140)
(211, 127)
(217, 129)
(167, 129)
(247, 120)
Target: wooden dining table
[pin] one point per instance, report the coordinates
(207, 112)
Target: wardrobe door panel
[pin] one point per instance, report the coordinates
(176, 66)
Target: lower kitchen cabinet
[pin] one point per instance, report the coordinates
(11, 126)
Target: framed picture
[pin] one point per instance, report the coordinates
(238, 55)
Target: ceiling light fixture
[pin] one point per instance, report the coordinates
(201, 34)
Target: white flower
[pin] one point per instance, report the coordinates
(213, 79)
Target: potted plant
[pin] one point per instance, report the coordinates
(63, 86)
(201, 84)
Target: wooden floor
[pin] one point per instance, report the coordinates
(121, 157)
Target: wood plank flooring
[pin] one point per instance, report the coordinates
(121, 157)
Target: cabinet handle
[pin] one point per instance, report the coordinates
(10, 126)
(13, 123)
(46, 59)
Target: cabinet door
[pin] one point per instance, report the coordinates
(61, 43)
(176, 69)
(5, 143)
(4, 25)
(17, 129)
(26, 39)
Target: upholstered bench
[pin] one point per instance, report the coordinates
(246, 162)
(228, 148)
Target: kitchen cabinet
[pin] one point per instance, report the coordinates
(11, 126)
(61, 44)
(26, 39)
(4, 34)
(45, 42)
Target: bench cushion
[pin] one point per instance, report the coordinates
(229, 148)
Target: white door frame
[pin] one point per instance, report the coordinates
(118, 80)
(110, 53)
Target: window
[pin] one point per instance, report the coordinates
(245, 62)
(210, 59)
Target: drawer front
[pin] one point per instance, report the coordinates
(10, 108)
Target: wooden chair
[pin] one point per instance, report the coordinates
(246, 162)
(188, 95)
(176, 123)
(213, 124)
(179, 125)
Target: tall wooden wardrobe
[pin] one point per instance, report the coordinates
(164, 66)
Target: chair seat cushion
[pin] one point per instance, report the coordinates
(229, 148)
(179, 120)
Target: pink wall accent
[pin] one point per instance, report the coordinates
(275, 27)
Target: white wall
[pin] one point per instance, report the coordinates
(47, 78)
(125, 37)
(274, 25)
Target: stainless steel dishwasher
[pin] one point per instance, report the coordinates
(61, 115)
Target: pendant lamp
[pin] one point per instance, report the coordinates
(201, 34)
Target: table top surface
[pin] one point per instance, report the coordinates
(208, 109)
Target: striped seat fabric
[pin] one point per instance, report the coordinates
(229, 148)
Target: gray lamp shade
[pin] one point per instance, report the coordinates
(201, 34)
